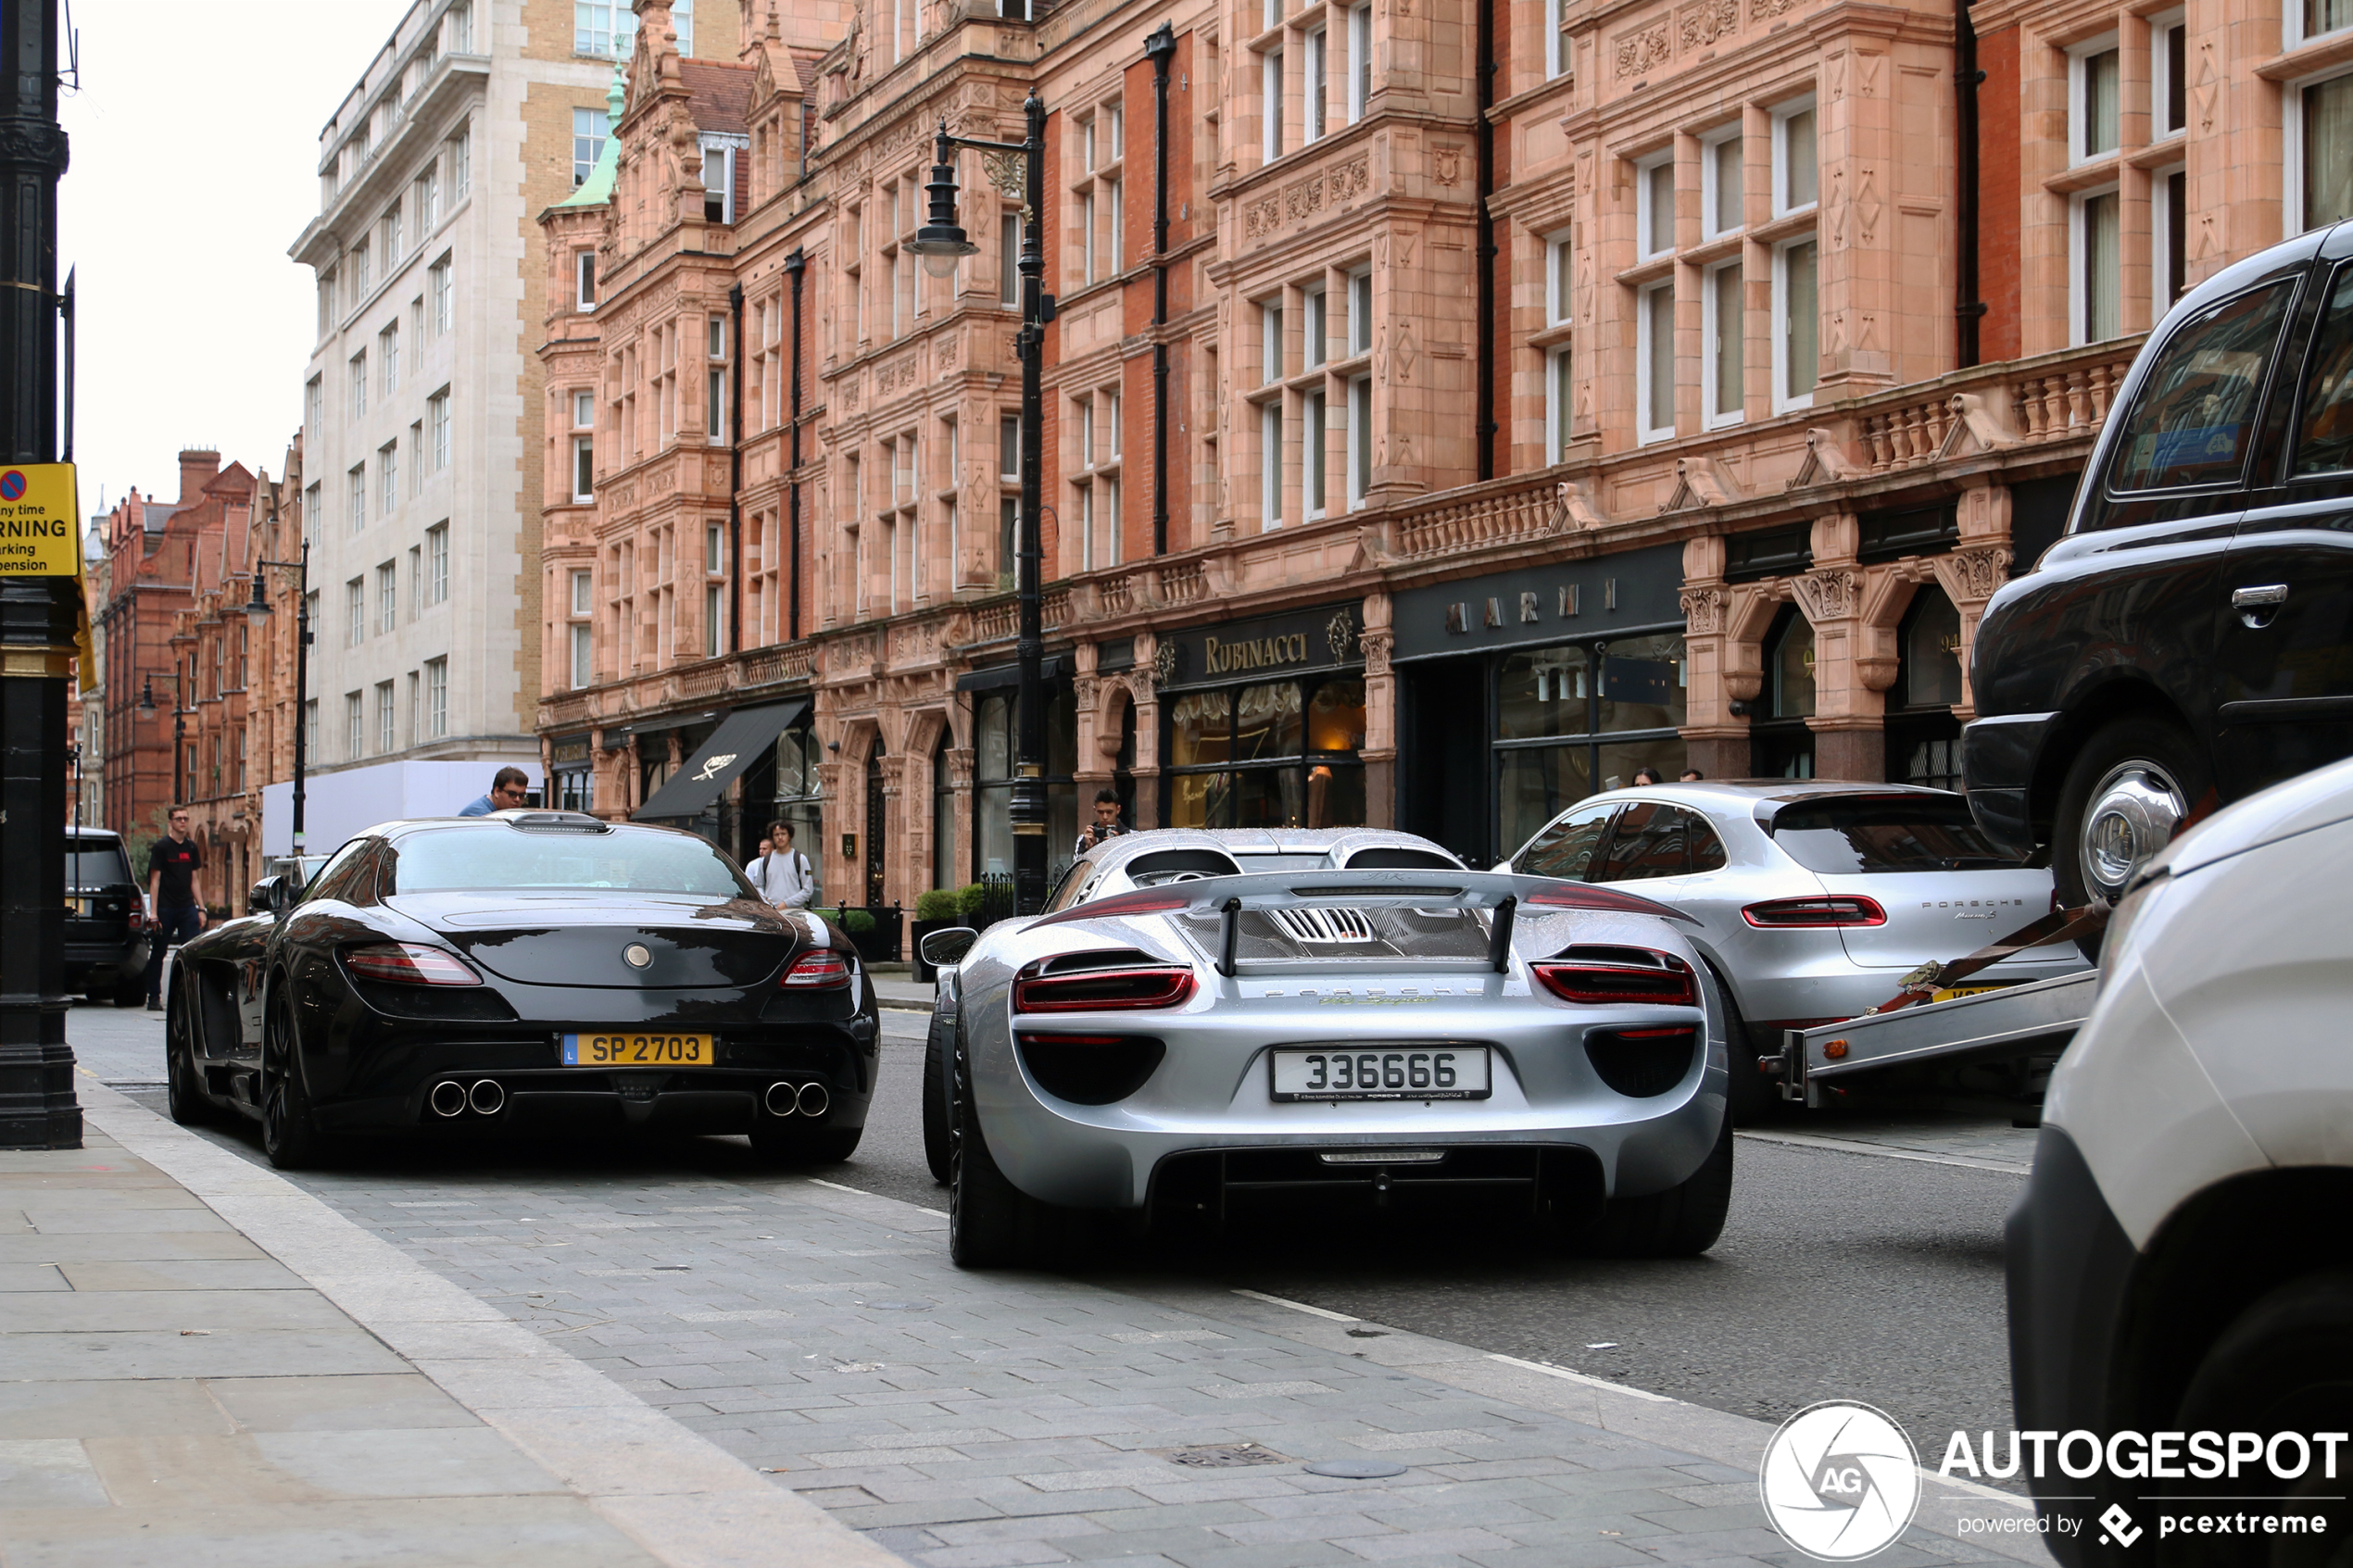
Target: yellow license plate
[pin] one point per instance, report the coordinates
(1953, 993)
(637, 1050)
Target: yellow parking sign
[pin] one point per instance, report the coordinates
(40, 535)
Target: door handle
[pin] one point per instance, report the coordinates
(2257, 606)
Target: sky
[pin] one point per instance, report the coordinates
(195, 142)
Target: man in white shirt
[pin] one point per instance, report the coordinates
(783, 875)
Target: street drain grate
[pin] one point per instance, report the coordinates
(1223, 1455)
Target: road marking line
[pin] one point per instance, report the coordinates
(862, 1192)
(1852, 1146)
(1564, 1375)
(1298, 1306)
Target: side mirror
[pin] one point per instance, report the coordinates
(271, 894)
(946, 949)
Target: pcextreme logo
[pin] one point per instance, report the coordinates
(1840, 1481)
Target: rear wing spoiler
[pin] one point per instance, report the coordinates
(1504, 893)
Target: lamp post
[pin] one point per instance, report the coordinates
(179, 726)
(1017, 169)
(257, 612)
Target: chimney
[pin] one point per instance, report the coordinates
(197, 467)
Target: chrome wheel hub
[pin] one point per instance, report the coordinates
(2133, 815)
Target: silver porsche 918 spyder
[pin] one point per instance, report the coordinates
(1203, 1021)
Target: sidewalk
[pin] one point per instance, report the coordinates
(200, 1363)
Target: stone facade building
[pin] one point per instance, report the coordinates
(1426, 445)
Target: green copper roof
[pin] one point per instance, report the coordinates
(596, 189)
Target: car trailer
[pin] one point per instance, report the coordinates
(2008, 1024)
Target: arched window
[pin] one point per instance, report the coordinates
(1781, 745)
(1923, 738)
(1790, 668)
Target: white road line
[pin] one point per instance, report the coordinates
(1564, 1375)
(862, 1192)
(1855, 1146)
(1297, 1306)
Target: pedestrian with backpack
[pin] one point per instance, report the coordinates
(782, 873)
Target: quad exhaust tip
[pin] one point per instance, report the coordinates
(782, 1099)
(486, 1097)
(448, 1099)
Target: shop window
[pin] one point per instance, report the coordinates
(1931, 639)
(1581, 717)
(1790, 669)
(993, 749)
(1916, 531)
(1274, 754)
(800, 794)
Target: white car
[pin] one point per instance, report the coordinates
(2181, 1262)
(1813, 898)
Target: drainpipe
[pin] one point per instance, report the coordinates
(1967, 78)
(1484, 360)
(795, 265)
(1160, 48)
(735, 476)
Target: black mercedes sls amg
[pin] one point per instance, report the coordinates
(523, 968)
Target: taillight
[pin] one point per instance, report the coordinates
(1671, 985)
(410, 963)
(1104, 990)
(139, 917)
(1840, 908)
(819, 968)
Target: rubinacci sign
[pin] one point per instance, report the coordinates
(38, 535)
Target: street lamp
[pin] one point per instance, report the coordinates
(257, 612)
(179, 726)
(1017, 169)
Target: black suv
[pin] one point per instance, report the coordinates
(2190, 639)
(106, 920)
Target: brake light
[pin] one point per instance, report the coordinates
(410, 963)
(1583, 981)
(138, 918)
(1790, 914)
(1104, 990)
(820, 969)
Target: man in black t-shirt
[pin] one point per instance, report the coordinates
(175, 898)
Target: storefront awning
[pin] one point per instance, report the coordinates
(1054, 668)
(737, 743)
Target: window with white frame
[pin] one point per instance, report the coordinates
(416, 580)
(426, 190)
(716, 388)
(357, 270)
(386, 711)
(1360, 312)
(460, 163)
(355, 494)
(584, 467)
(1723, 325)
(1797, 312)
(1270, 341)
(1723, 208)
(394, 238)
(354, 736)
(2314, 19)
(714, 590)
(388, 478)
(313, 406)
(1316, 62)
(579, 631)
(417, 457)
(583, 280)
(2099, 265)
(2094, 98)
(719, 155)
(1559, 420)
(388, 356)
(311, 728)
(2169, 75)
(1360, 61)
(355, 609)
(1654, 205)
(437, 292)
(1556, 42)
(899, 261)
(436, 698)
(358, 384)
(1360, 439)
(326, 301)
(388, 598)
(312, 502)
(589, 131)
(2321, 137)
(1270, 111)
(1095, 193)
(1009, 257)
(1655, 362)
(608, 28)
(1314, 326)
(1797, 169)
(438, 421)
(1270, 463)
(437, 564)
(1313, 480)
(1557, 273)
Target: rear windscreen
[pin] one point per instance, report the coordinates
(635, 862)
(1843, 837)
(97, 868)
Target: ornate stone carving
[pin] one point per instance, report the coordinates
(1262, 218)
(1704, 21)
(1446, 164)
(1703, 611)
(1165, 658)
(1765, 11)
(944, 351)
(1974, 573)
(1643, 48)
(1351, 180)
(1825, 595)
(1340, 635)
(1377, 647)
(1303, 200)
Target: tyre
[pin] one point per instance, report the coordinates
(289, 1133)
(991, 1222)
(937, 1109)
(2285, 1365)
(783, 1144)
(182, 1096)
(2134, 783)
(1754, 1098)
(1683, 1221)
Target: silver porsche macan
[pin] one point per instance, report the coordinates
(1200, 1021)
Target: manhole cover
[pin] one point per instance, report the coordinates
(1223, 1455)
(1356, 1469)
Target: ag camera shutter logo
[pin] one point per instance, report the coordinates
(1840, 1481)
